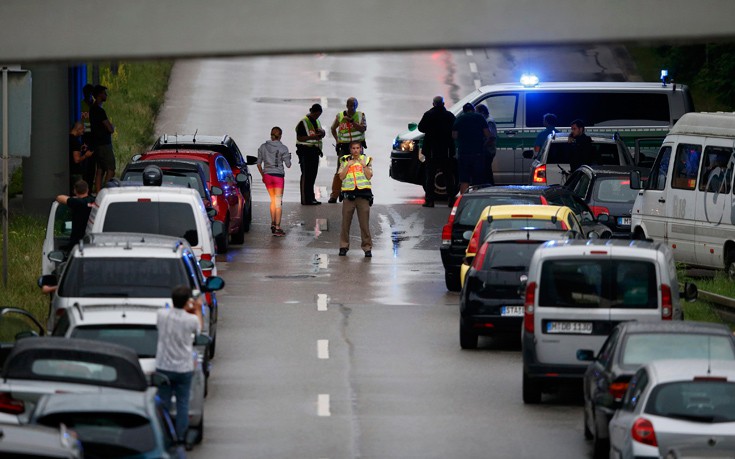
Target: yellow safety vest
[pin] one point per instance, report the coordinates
(310, 130)
(355, 178)
(345, 131)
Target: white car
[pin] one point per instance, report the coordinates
(677, 409)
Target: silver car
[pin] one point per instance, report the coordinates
(677, 408)
(38, 442)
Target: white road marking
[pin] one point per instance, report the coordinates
(323, 75)
(473, 67)
(468, 52)
(323, 405)
(324, 103)
(323, 257)
(321, 301)
(478, 83)
(322, 349)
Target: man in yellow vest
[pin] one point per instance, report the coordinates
(355, 172)
(309, 135)
(348, 126)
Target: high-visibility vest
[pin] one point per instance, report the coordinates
(355, 177)
(346, 132)
(310, 130)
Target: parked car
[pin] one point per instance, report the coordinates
(683, 407)
(606, 190)
(221, 144)
(131, 424)
(38, 442)
(186, 174)
(578, 291)
(468, 207)
(491, 302)
(550, 166)
(230, 205)
(558, 218)
(632, 344)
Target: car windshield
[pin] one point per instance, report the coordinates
(509, 255)
(641, 348)
(138, 277)
(704, 401)
(183, 179)
(470, 208)
(109, 435)
(614, 189)
(153, 217)
(606, 152)
(584, 283)
(142, 339)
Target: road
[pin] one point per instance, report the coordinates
(321, 356)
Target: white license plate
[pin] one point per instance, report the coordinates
(624, 221)
(582, 328)
(516, 311)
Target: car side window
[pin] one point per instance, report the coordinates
(197, 271)
(581, 187)
(503, 108)
(191, 273)
(606, 352)
(717, 168)
(635, 389)
(660, 170)
(686, 166)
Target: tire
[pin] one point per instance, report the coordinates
(247, 217)
(730, 266)
(212, 346)
(639, 235)
(239, 237)
(199, 431)
(600, 447)
(588, 435)
(453, 283)
(467, 337)
(222, 242)
(531, 390)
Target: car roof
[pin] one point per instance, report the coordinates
(559, 137)
(147, 191)
(131, 245)
(129, 375)
(604, 171)
(124, 402)
(674, 326)
(664, 371)
(587, 244)
(508, 211)
(506, 189)
(177, 164)
(115, 314)
(169, 139)
(531, 234)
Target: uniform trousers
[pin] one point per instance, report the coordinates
(309, 164)
(362, 205)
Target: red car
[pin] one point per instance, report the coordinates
(220, 178)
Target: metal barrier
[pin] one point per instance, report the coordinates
(724, 305)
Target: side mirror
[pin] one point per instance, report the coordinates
(206, 265)
(585, 355)
(250, 160)
(635, 180)
(159, 379)
(136, 157)
(603, 218)
(241, 178)
(213, 283)
(49, 280)
(216, 191)
(202, 340)
(211, 213)
(690, 292)
(528, 154)
(57, 256)
(587, 217)
(467, 235)
(593, 235)
(218, 228)
(412, 126)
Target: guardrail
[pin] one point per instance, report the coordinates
(723, 304)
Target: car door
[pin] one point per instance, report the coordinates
(58, 233)
(598, 376)
(650, 205)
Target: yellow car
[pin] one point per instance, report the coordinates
(560, 218)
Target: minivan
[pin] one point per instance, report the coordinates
(635, 110)
(578, 291)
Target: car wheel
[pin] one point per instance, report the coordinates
(467, 337)
(452, 281)
(587, 432)
(198, 431)
(239, 237)
(730, 266)
(600, 446)
(212, 346)
(247, 219)
(531, 390)
(223, 240)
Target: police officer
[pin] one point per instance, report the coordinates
(309, 135)
(348, 126)
(355, 172)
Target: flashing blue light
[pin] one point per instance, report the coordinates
(529, 80)
(664, 76)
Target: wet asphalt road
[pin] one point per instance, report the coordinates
(321, 356)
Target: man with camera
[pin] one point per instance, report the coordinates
(348, 126)
(355, 172)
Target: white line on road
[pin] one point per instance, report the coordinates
(321, 301)
(473, 67)
(478, 83)
(324, 103)
(323, 405)
(322, 348)
(323, 257)
(468, 52)
(323, 75)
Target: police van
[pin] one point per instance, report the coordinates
(687, 202)
(637, 111)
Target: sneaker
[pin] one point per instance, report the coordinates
(342, 252)
(279, 232)
(332, 200)
(273, 228)
(368, 254)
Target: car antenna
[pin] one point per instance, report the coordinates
(194, 137)
(177, 143)
(709, 355)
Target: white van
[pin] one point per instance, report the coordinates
(636, 111)
(687, 202)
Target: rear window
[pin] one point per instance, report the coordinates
(122, 277)
(641, 348)
(523, 223)
(614, 189)
(582, 283)
(167, 218)
(699, 401)
(142, 339)
(469, 209)
(71, 369)
(182, 179)
(509, 255)
(602, 153)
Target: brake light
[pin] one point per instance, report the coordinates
(10, 405)
(447, 230)
(144, 199)
(599, 210)
(617, 390)
(480, 257)
(207, 271)
(528, 307)
(214, 201)
(642, 432)
(474, 244)
(539, 174)
(667, 307)
(521, 216)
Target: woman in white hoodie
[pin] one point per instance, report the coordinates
(272, 156)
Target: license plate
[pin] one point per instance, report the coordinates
(516, 311)
(624, 221)
(582, 328)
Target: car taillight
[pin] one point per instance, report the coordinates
(642, 432)
(599, 210)
(617, 390)
(447, 230)
(539, 174)
(667, 308)
(474, 244)
(214, 201)
(544, 201)
(10, 405)
(206, 270)
(480, 257)
(529, 307)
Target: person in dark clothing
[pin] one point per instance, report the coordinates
(580, 147)
(79, 155)
(438, 150)
(80, 205)
(472, 134)
(87, 140)
(102, 130)
(491, 145)
(309, 135)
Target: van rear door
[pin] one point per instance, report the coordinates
(58, 233)
(634, 287)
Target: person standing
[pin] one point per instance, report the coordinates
(438, 150)
(471, 132)
(309, 135)
(87, 140)
(355, 172)
(581, 150)
(272, 157)
(102, 130)
(80, 206)
(549, 128)
(491, 145)
(177, 328)
(348, 126)
(79, 155)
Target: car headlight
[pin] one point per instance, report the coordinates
(407, 145)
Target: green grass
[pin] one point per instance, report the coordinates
(703, 311)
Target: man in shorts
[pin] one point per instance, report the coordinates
(102, 130)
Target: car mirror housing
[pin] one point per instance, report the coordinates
(585, 355)
(412, 126)
(49, 280)
(603, 218)
(593, 235)
(202, 340)
(216, 191)
(57, 256)
(635, 180)
(218, 228)
(241, 178)
(159, 379)
(214, 283)
(251, 160)
(467, 235)
(206, 265)
(690, 292)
